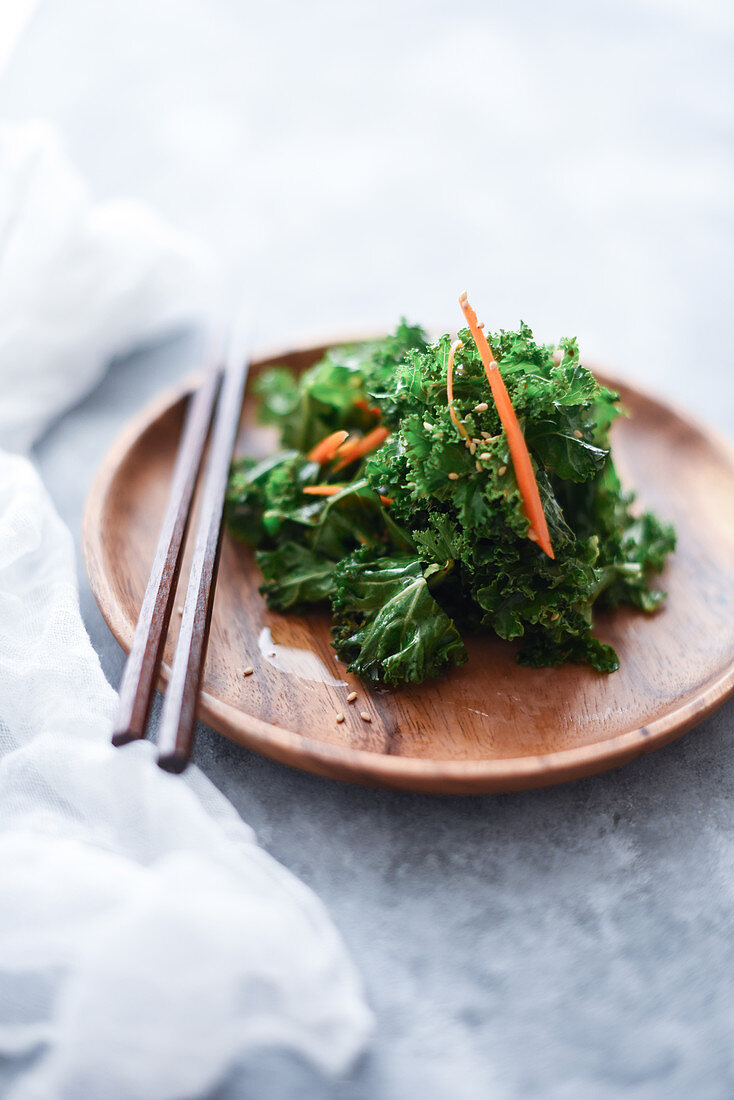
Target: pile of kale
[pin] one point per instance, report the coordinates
(409, 558)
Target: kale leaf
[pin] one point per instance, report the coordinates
(333, 394)
(387, 625)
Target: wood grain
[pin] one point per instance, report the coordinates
(490, 725)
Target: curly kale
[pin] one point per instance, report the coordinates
(426, 537)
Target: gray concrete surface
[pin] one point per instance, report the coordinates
(569, 943)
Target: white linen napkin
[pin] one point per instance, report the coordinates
(79, 281)
(147, 944)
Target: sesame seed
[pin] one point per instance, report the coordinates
(472, 447)
(364, 716)
(502, 471)
(352, 696)
(479, 466)
(481, 407)
(427, 426)
(453, 476)
(532, 536)
(248, 671)
(340, 717)
(485, 456)
(555, 617)
(578, 434)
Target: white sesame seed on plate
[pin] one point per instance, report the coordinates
(364, 716)
(502, 471)
(481, 407)
(479, 466)
(248, 671)
(427, 426)
(578, 434)
(340, 717)
(453, 476)
(485, 457)
(352, 696)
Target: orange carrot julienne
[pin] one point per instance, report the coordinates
(322, 490)
(366, 407)
(372, 439)
(327, 448)
(450, 389)
(356, 448)
(519, 453)
(332, 490)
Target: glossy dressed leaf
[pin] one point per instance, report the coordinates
(387, 625)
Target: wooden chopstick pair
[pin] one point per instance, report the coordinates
(176, 730)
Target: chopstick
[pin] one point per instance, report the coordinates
(141, 669)
(178, 718)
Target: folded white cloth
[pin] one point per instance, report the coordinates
(79, 281)
(147, 944)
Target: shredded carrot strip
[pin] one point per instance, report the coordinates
(519, 453)
(366, 407)
(332, 490)
(327, 448)
(450, 389)
(356, 448)
(322, 490)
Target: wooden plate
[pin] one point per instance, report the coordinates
(491, 725)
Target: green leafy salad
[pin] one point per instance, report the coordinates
(395, 500)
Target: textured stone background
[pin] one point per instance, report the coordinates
(568, 163)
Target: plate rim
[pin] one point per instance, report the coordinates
(361, 766)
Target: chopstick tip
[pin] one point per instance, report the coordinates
(173, 762)
(125, 737)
